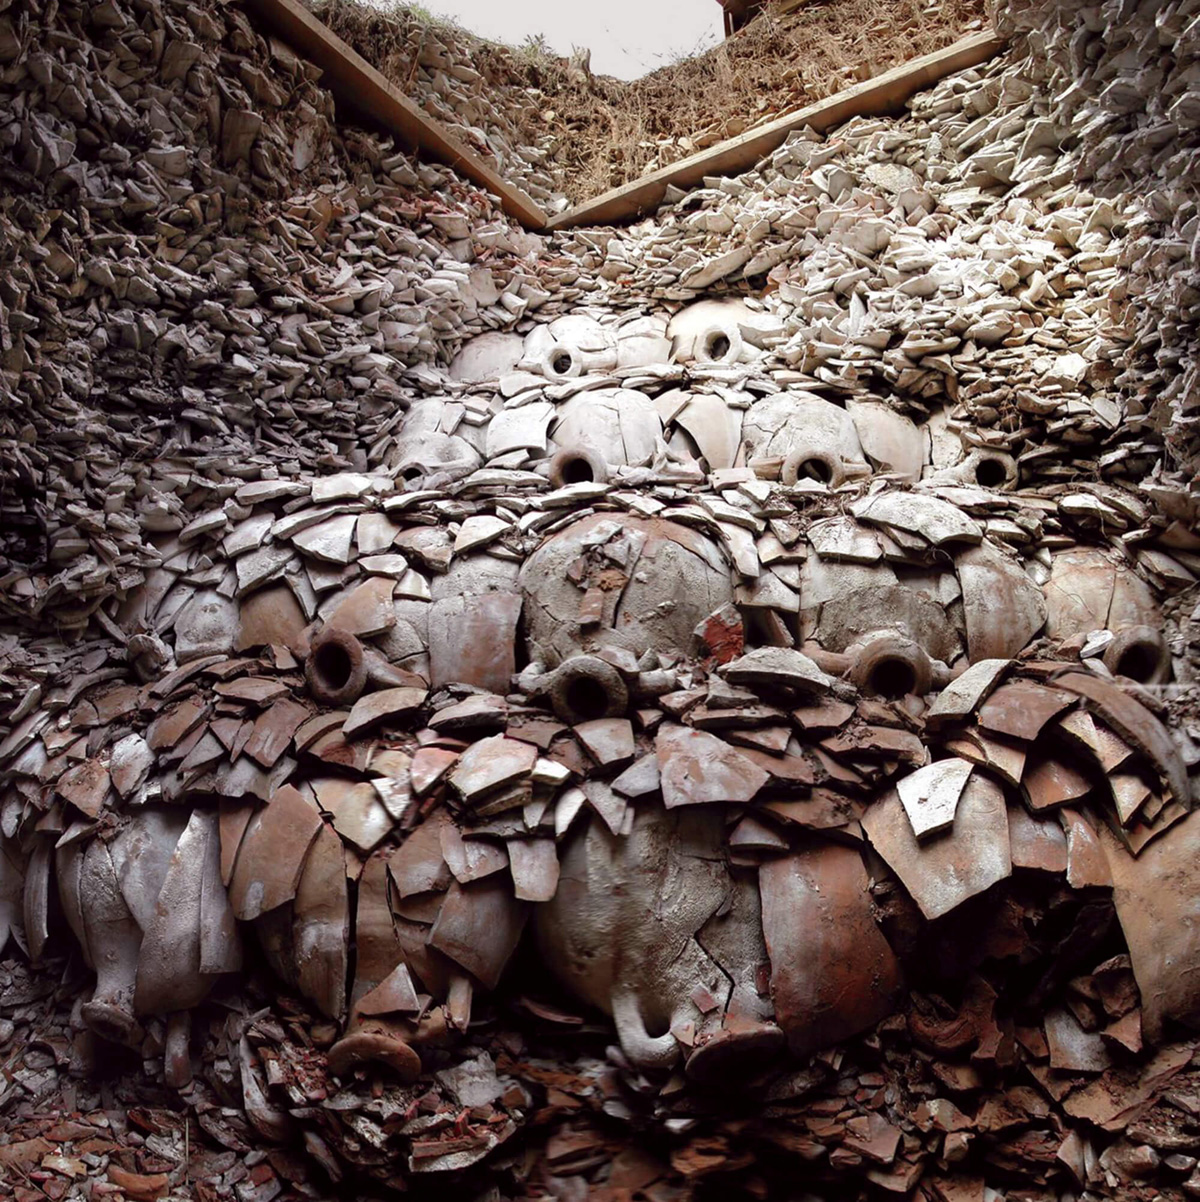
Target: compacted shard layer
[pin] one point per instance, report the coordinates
(733, 671)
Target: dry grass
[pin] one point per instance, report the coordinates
(602, 132)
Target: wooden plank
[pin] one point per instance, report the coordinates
(885, 93)
(355, 82)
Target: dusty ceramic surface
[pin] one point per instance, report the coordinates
(732, 650)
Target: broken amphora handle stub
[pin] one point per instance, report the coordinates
(1140, 653)
(375, 1043)
(336, 668)
(577, 465)
(586, 687)
(890, 665)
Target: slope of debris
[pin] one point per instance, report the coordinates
(262, 372)
(566, 135)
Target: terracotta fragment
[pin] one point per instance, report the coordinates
(696, 767)
(355, 809)
(1135, 724)
(535, 870)
(478, 927)
(930, 795)
(472, 640)
(1155, 896)
(387, 705)
(273, 731)
(470, 859)
(271, 856)
(1036, 841)
(1049, 782)
(490, 764)
(1087, 865)
(1020, 709)
(366, 609)
(321, 925)
(816, 907)
(609, 741)
(85, 786)
(951, 867)
(417, 865)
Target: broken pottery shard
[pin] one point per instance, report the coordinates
(777, 666)
(490, 764)
(1021, 708)
(387, 705)
(269, 616)
(833, 974)
(1036, 841)
(470, 859)
(394, 994)
(271, 857)
(696, 767)
(1087, 865)
(472, 640)
(935, 520)
(604, 800)
(321, 925)
(273, 731)
(930, 795)
(355, 809)
(170, 969)
(534, 867)
(949, 868)
(872, 1137)
(1004, 757)
(328, 541)
(964, 694)
(417, 865)
(478, 927)
(429, 765)
(1051, 782)
(609, 741)
(1157, 895)
(366, 610)
(1093, 739)
(1072, 1049)
(85, 786)
(1002, 606)
(478, 531)
(640, 779)
(234, 819)
(141, 854)
(1135, 724)
(752, 835)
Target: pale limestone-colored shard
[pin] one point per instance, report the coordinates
(777, 666)
(965, 693)
(329, 541)
(534, 867)
(930, 795)
(490, 764)
(935, 520)
(478, 531)
(342, 486)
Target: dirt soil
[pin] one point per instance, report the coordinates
(599, 132)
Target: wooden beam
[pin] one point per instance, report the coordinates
(884, 94)
(355, 82)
